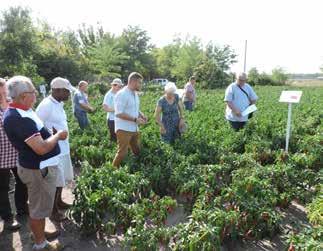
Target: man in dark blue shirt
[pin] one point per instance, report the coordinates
(38, 152)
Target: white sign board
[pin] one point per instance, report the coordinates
(290, 96)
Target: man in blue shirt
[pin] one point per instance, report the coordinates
(238, 96)
(38, 152)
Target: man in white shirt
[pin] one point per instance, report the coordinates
(108, 106)
(238, 96)
(128, 117)
(51, 112)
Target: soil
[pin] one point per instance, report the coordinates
(294, 217)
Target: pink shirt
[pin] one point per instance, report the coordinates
(189, 88)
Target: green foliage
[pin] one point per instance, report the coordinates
(230, 184)
(213, 67)
(43, 53)
(107, 58)
(18, 43)
(277, 77)
(135, 43)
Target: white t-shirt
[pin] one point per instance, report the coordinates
(52, 113)
(126, 101)
(109, 101)
(239, 100)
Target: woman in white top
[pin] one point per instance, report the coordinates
(108, 105)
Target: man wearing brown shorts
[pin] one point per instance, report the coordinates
(38, 152)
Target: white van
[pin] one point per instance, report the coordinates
(160, 81)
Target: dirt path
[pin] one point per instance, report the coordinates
(295, 216)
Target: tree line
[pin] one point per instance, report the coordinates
(37, 50)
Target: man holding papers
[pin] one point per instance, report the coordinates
(240, 99)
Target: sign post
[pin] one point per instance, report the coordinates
(289, 97)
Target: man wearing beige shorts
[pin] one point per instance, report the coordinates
(38, 152)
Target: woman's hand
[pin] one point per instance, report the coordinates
(181, 123)
(162, 129)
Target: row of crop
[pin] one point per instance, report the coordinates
(232, 184)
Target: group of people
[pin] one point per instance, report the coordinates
(35, 148)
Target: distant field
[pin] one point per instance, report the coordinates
(306, 82)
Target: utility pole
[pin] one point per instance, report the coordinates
(245, 57)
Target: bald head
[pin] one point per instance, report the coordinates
(241, 76)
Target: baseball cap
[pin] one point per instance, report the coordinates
(117, 81)
(62, 83)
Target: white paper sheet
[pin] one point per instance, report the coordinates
(250, 109)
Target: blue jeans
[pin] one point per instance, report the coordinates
(188, 105)
(82, 119)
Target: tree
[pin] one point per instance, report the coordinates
(253, 76)
(212, 68)
(107, 58)
(18, 43)
(59, 54)
(279, 76)
(189, 54)
(135, 43)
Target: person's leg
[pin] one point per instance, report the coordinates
(236, 125)
(86, 120)
(37, 226)
(41, 186)
(188, 105)
(5, 208)
(81, 119)
(60, 183)
(135, 143)
(123, 140)
(60, 203)
(113, 135)
(21, 195)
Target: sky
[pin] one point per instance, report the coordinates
(284, 33)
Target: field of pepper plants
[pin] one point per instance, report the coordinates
(233, 186)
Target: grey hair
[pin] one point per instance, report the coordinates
(18, 85)
(241, 75)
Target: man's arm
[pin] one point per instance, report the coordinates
(107, 108)
(235, 110)
(108, 103)
(86, 107)
(41, 147)
(125, 116)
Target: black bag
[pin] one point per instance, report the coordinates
(250, 114)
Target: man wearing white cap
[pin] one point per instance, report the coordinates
(108, 105)
(51, 112)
